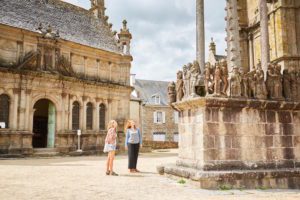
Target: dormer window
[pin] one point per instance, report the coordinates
(156, 99)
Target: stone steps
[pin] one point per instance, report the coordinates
(45, 152)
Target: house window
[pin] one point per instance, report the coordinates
(102, 117)
(159, 117)
(75, 115)
(156, 99)
(176, 117)
(176, 137)
(89, 116)
(4, 111)
(159, 136)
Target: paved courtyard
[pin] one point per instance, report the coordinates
(73, 178)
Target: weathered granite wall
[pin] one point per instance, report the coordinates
(227, 134)
(160, 145)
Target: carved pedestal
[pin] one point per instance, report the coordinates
(240, 143)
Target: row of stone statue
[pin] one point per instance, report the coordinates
(217, 82)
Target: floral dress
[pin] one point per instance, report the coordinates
(110, 141)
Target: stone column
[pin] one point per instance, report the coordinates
(251, 52)
(200, 34)
(264, 32)
(15, 109)
(83, 116)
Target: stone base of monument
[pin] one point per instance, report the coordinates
(237, 179)
(239, 143)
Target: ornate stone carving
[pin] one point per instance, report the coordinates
(179, 86)
(224, 77)
(294, 88)
(278, 88)
(287, 84)
(235, 83)
(195, 78)
(245, 84)
(217, 81)
(208, 79)
(261, 90)
(186, 80)
(172, 93)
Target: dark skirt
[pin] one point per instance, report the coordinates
(133, 153)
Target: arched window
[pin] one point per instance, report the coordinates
(75, 115)
(89, 116)
(4, 111)
(102, 116)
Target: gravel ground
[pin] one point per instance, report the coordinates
(73, 178)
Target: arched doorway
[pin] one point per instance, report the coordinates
(44, 119)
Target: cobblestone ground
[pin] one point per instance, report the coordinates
(84, 178)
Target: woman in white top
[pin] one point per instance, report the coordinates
(133, 143)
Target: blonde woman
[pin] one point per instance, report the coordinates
(132, 143)
(110, 146)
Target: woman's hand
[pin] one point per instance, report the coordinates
(126, 148)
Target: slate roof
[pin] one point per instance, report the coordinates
(75, 24)
(147, 88)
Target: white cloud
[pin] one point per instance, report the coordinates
(164, 32)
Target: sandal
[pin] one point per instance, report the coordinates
(107, 173)
(137, 171)
(114, 174)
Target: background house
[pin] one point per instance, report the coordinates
(157, 120)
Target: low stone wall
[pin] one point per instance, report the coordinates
(20, 142)
(160, 145)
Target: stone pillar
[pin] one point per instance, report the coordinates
(84, 116)
(200, 34)
(22, 110)
(264, 32)
(233, 35)
(27, 110)
(15, 109)
(51, 125)
(251, 52)
(97, 117)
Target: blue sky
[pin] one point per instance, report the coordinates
(164, 32)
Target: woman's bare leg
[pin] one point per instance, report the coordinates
(111, 163)
(107, 163)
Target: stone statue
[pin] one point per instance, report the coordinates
(245, 84)
(195, 78)
(278, 89)
(261, 90)
(235, 83)
(298, 86)
(270, 82)
(252, 83)
(287, 84)
(179, 86)
(207, 79)
(186, 81)
(224, 76)
(294, 88)
(217, 81)
(172, 93)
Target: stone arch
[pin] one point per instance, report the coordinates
(44, 123)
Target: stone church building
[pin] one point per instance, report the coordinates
(62, 69)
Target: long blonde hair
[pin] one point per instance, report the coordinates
(111, 124)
